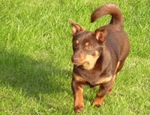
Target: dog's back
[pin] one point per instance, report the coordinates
(116, 40)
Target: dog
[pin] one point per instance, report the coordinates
(98, 56)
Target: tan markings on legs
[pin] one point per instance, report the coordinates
(115, 73)
(114, 77)
(98, 101)
(77, 88)
(79, 102)
(118, 64)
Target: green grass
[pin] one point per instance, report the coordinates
(35, 52)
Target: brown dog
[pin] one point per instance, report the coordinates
(98, 56)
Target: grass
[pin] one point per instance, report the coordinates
(35, 51)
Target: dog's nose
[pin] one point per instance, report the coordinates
(75, 59)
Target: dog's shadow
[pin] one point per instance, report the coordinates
(32, 76)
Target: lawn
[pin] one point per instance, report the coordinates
(35, 58)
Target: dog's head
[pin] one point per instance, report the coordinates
(87, 46)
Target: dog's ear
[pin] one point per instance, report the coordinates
(76, 27)
(100, 35)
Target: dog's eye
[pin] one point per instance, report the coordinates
(89, 47)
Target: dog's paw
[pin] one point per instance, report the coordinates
(98, 102)
(78, 108)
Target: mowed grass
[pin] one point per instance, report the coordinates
(35, 52)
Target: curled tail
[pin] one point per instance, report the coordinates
(113, 10)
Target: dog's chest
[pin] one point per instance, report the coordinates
(94, 78)
(91, 78)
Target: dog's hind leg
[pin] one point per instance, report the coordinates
(114, 77)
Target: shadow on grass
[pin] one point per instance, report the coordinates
(32, 77)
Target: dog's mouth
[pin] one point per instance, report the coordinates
(81, 64)
(78, 63)
(86, 65)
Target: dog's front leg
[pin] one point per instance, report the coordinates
(77, 88)
(99, 99)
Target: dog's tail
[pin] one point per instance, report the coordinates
(113, 10)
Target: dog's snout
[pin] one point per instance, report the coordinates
(75, 59)
(78, 58)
